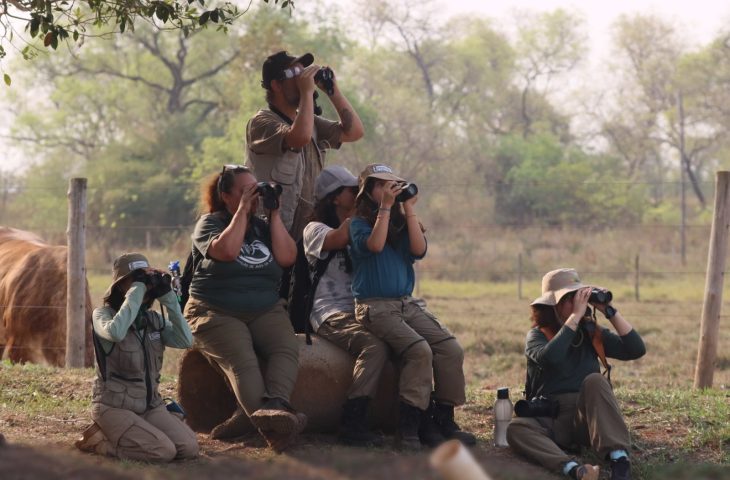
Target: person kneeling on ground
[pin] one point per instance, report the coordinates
(386, 238)
(333, 310)
(572, 404)
(235, 311)
(131, 420)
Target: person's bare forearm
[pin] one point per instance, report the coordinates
(283, 246)
(352, 127)
(377, 238)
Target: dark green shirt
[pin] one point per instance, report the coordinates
(561, 365)
(247, 284)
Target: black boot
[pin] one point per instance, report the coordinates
(444, 417)
(429, 432)
(354, 430)
(409, 419)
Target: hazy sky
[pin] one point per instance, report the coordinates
(698, 20)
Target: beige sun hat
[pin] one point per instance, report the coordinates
(379, 171)
(556, 284)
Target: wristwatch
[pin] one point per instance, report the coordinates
(610, 312)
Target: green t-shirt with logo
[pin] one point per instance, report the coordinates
(247, 284)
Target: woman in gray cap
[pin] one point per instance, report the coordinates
(570, 404)
(333, 310)
(130, 417)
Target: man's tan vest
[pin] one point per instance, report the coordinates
(131, 377)
(286, 169)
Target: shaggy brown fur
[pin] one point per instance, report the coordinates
(33, 300)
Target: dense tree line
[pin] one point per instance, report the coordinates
(466, 109)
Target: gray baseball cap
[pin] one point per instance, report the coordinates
(332, 178)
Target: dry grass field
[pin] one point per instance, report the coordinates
(677, 432)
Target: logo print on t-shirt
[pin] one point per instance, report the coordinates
(254, 253)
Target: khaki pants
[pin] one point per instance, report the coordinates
(155, 436)
(370, 352)
(589, 418)
(430, 355)
(235, 341)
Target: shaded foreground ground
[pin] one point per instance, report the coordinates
(677, 433)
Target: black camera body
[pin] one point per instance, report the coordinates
(269, 194)
(158, 283)
(600, 296)
(326, 78)
(409, 191)
(537, 407)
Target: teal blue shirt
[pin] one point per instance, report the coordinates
(388, 274)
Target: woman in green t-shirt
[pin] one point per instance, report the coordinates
(234, 310)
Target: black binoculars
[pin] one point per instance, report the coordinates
(270, 194)
(326, 78)
(600, 296)
(409, 191)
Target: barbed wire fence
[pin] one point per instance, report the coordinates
(517, 268)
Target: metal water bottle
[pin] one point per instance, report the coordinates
(502, 417)
(174, 268)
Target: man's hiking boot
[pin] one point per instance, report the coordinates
(429, 432)
(354, 430)
(278, 423)
(584, 472)
(444, 417)
(409, 419)
(621, 469)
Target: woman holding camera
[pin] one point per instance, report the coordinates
(130, 417)
(386, 238)
(572, 404)
(234, 309)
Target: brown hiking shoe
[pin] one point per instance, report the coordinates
(236, 426)
(93, 440)
(278, 423)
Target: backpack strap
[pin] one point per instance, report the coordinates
(317, 271)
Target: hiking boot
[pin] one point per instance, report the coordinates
(409, 419)
(236, 426)
(621, 469)
(93, 440)
(278, 423)
(354, 430)
(428, 431)
(444, 417)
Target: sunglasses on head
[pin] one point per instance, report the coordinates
(230, 168)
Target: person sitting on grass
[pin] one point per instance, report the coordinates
(574, 405)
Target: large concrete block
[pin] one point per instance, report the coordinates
(325, 374)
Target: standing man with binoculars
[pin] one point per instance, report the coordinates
(569, 403)
(131, 420)
(286, 143)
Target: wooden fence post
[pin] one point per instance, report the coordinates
(636, 278)
(710, 323)
(76, 274)
(519, 277)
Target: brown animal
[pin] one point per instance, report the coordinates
(33, 300)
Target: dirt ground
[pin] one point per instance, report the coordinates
(316, 457)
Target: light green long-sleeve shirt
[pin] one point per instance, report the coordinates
(112, 326)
